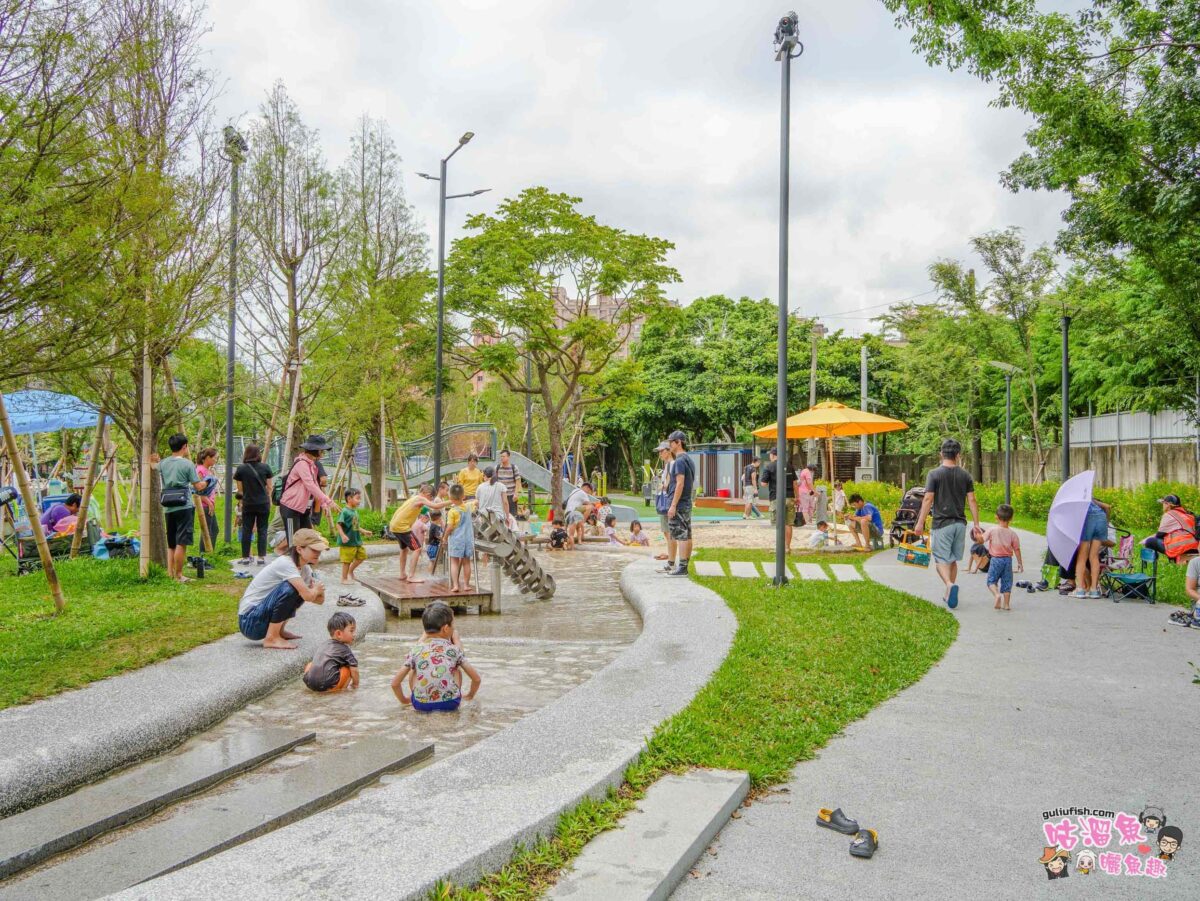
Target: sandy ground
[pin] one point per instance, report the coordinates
(751, 534)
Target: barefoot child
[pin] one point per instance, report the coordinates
(1002, 544)
(979, 553)
(435, 664)
(350, 543)
(610, 531)
(334, 665)
(278, 591)
(460, 541)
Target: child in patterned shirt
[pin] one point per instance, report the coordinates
(435, 664)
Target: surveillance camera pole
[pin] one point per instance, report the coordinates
(785, 42)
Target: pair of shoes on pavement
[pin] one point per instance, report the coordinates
(1185, 619)
(672, 570)
(866, 841)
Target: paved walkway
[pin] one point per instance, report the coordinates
(1062, 702)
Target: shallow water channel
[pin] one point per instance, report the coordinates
(528, 656)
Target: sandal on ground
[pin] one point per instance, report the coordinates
(865, 843)
(836, 820)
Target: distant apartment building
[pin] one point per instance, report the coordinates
(600, 307)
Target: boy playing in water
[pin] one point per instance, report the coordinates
(350, 543)
(334, 665)
(1002, 544)
(435, 665)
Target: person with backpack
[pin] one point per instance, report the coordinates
(302, 488)
(1176, 533)
(254, 478)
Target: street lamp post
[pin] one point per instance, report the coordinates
(1009, 370)
(441, 293)
(1066, 396)
(235, 149)
(787, 48)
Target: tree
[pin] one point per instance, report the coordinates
(1112, 89)
(294, 215)
(542, 281)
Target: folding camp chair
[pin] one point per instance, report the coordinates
(1135, 586)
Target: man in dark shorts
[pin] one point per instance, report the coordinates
(948, 490)
(401, 525)
(178, 471)
(787, 507)
(679, 516)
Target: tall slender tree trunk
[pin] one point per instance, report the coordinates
(30, 502)
(146, 450)
(375, 442)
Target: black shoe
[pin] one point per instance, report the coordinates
(837, 821)
(865, 843)
(680, 570)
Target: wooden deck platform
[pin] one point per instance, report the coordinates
(409, 597)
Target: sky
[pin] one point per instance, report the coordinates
(664, 118)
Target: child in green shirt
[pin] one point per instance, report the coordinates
(350, 536)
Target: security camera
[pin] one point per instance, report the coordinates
(786, 35)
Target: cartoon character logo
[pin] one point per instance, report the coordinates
(1152, 818)
(1085, 862)
(1055, 859)
(1170, 840)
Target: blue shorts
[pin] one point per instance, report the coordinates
(434, 706)
(431, 551)
(1095, 527)
(1001, 570)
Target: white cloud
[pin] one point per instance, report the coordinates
(664, 118)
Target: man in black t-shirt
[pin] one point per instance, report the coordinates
(679, 516)
(948, 490)
(770, 479)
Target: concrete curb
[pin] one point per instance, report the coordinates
(508, 789)
(58, 744)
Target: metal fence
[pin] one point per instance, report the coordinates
(1134, 428)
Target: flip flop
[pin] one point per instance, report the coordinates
(951, 599)
(865, 843)
(836, 820)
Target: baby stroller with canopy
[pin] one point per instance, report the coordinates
(905, 519)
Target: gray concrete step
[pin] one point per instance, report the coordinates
(217, 823)
(36, 834)
(656, 844)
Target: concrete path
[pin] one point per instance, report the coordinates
(1061, 702)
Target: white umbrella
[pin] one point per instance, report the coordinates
(1064, 524)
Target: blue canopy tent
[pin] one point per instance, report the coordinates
(31, 412)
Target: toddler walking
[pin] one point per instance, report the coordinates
(1002, 545)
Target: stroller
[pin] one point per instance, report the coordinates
(906, 517)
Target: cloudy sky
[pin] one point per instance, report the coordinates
(664, 117)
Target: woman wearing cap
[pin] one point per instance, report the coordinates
(278, 591)
(1176, 533)
(302, 488)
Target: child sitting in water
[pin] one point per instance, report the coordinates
(435, 664)
(560, 538)
(334, 665)
(637, 537)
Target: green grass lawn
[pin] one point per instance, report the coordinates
(818, 656)
(113, 622)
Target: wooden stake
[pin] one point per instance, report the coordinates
(400, 463)
(147, 450)
(35, 522)
(89, 483)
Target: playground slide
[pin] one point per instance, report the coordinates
(541, 478)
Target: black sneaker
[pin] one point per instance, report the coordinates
(680, 570)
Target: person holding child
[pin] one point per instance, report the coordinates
(460, 541)
(1002, 545)
(435, 664)
(334, 666)
(350, 536)
(279, 589)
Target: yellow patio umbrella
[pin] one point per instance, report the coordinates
(831, 420)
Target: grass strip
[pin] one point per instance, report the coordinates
(807, 659)
(114, 622)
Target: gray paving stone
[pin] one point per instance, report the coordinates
(743, 569)
(844, 572)
(646, 856)
(223, 821)
(52, 828)
(709, 568)
(812, 571)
